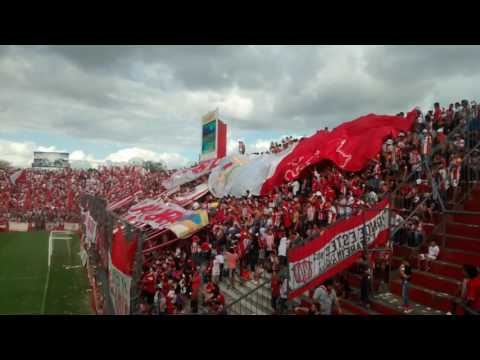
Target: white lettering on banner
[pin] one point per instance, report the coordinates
(16, 226)
(120, 285)
(71, 226)
(91, 228)
(155, 213)
(338, 249)
(347, 157)
(298, 165)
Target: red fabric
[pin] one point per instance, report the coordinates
(350, 146)
(222, 140)
(205, 246)
(473, 292)
(123, 253)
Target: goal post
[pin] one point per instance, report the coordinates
(53, 239)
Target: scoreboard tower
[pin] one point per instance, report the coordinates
(214, 137)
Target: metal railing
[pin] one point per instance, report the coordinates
(250, 302)
(255, 302)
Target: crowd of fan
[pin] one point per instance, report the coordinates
(251, 235)
(54, 195)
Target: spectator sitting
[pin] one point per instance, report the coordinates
(432, 255)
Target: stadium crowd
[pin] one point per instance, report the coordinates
(53, 196)
(251, 235)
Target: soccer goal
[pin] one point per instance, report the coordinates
(60, 253)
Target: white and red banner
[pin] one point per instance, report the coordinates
(185, 176)
(236, 174)
(120, 272)
(17, 226)
(155, 213)
(336, 249)
(90, 228)
(189, 198)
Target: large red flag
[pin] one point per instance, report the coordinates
(350, 146)
(123, 253)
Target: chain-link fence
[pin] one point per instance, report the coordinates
(99, 250)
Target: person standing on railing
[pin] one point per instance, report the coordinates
(405, 275)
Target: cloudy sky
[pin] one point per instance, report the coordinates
(120, 102)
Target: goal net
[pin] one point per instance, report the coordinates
(60, 257)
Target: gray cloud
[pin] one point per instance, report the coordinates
(155, 95)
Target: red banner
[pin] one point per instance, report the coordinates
(336, 249)
(120, 272)
(350, 146)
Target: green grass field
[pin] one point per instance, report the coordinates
(23, 275)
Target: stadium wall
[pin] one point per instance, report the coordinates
(27, 226)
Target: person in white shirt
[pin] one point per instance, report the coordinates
(372, 197)
(295, 187)
(282, 250)
(269, 240)
(219, 258)
(311, 213)
(215, 270)
(432, 255)
(327, 297)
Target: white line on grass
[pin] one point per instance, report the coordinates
(45, 290)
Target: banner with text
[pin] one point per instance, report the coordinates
(90, 228)
(336, 249)
(17, 226)
(155, 213)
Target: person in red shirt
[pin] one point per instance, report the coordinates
(275, 286)
(196, 283)
(286, 214)
(473, 293)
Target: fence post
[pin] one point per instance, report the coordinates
(444, 229)
(135, 290)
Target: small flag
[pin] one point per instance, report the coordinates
(19, 177)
